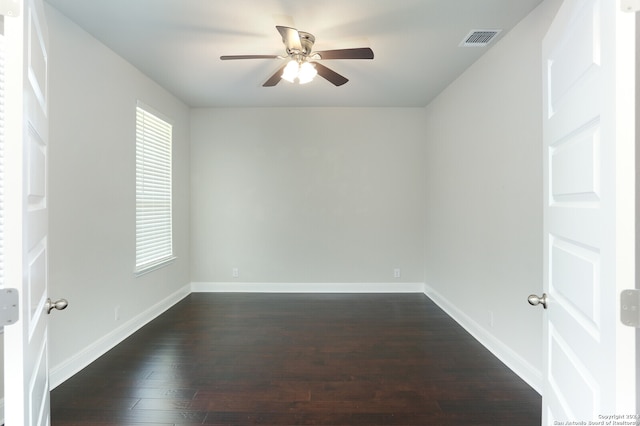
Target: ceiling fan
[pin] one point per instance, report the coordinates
(302, 64)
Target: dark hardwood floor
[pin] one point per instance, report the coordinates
(298, 359)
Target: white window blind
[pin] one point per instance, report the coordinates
(154, 239)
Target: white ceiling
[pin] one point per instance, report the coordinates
(178, 44)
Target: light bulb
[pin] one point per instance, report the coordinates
(307, 73)
(290, 72)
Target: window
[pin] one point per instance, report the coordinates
(154, 239)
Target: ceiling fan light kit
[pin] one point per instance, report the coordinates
(304, 72)
(302, 65)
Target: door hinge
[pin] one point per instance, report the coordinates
(630, 5)
(630, 308)
(8, 306)
(10, 7)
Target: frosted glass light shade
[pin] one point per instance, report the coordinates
(290, 72)
(307, 73)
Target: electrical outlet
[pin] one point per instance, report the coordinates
(116, 313)
(235, 273)
(490, 318)
(396, 273)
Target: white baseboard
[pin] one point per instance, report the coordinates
(66, 369)
(515, 362)
(244, 287)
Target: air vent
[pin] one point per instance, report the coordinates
(479, 38)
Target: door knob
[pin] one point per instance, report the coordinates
(537, 300)
(58, 304)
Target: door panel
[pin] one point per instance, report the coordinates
(573, 216)
(582, 138)
(575, 281)
(574, 167)
(26, 343)
(571, 382)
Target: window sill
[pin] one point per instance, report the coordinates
(154, 266)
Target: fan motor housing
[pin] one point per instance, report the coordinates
(306, 40)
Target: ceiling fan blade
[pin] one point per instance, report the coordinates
(228, 57)
(275, 78)
(290, 38)
(357, 53)
(330, 75)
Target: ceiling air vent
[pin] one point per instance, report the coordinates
(479, 38)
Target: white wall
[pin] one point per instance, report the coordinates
(93, 96)
(302, 199)
(307, 199)
(483, 248)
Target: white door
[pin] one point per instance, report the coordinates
(588, 131)
(26, 202)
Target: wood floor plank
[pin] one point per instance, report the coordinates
(297, 359)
